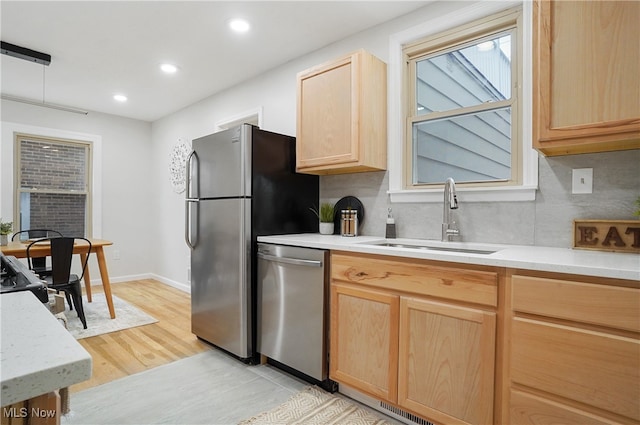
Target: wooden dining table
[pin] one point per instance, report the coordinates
(19, 250)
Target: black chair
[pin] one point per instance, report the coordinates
(39, 263)
(61, 278)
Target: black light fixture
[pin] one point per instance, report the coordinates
(35, 57)
(24, 53)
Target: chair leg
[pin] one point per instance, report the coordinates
(76, 291)
(68, 297)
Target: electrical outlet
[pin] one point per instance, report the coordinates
(582, 180)
(116, 254)
(189, 274)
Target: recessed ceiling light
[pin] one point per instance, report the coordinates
(239, 25)
(168, 68)
(120, 97)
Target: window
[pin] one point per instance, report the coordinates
(52, 185)
(450, 35)
(462, 112)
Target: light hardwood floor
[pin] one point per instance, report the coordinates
(213, 387)
(123, 353)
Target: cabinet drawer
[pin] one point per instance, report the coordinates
(593, 368)
(603, 305)
(417, 277)
(528, 409)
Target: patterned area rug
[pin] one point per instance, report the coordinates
(98, 319)
(313, 406)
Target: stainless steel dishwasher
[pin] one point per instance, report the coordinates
(293, 306)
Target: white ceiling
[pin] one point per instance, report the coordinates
(101, 48)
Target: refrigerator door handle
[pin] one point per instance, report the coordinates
(193, 190)
(288, 260)
(187, 221)
(190, 199)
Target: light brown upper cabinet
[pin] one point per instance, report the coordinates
(586, 63)
(342, 116)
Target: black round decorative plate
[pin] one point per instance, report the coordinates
(348, 202)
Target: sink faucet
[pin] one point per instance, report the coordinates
(449, 228)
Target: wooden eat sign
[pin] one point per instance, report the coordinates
(607, 235)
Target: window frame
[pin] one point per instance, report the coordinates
(454, 41)
(89, 173)
(462, 24)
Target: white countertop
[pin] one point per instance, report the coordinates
(560, 260)
(37, 354)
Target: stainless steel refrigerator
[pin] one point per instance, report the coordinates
(241, 183)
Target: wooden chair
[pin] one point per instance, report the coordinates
(61, 278)
(40, 263)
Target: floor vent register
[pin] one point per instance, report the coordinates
(404, 414)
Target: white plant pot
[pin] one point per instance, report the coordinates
(326, 228)
(4, 240)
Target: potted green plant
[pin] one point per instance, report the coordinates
(5, 228)
(325, 215)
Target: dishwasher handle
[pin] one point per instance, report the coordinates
(288, 260)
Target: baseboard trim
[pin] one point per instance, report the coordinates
(119, 279)
(178, 285)
(126, 278)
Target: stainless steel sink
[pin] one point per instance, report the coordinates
(431, 247)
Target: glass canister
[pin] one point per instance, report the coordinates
(349, 222)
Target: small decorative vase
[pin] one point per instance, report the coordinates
(326, 228)
(4, 239)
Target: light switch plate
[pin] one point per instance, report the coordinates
(582, 180)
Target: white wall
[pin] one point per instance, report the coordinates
(145, 217)
(127, 205)
(545, 221)
(141, 213)
(275, 93)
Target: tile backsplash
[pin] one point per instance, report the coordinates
(547, 221)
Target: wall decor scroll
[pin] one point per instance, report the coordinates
(177, 165)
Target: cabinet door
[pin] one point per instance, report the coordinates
(446, 361)
(364, 340)
(342, 109)
(585, 83)
(327, 113)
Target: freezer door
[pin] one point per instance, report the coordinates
(223, 168)
(221, 276)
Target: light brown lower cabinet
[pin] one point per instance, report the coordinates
(575, 352)
(364, 335)
(430, 356)
(446, 361)
(459, 344)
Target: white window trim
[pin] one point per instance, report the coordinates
(524, 192)
(9, 130)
